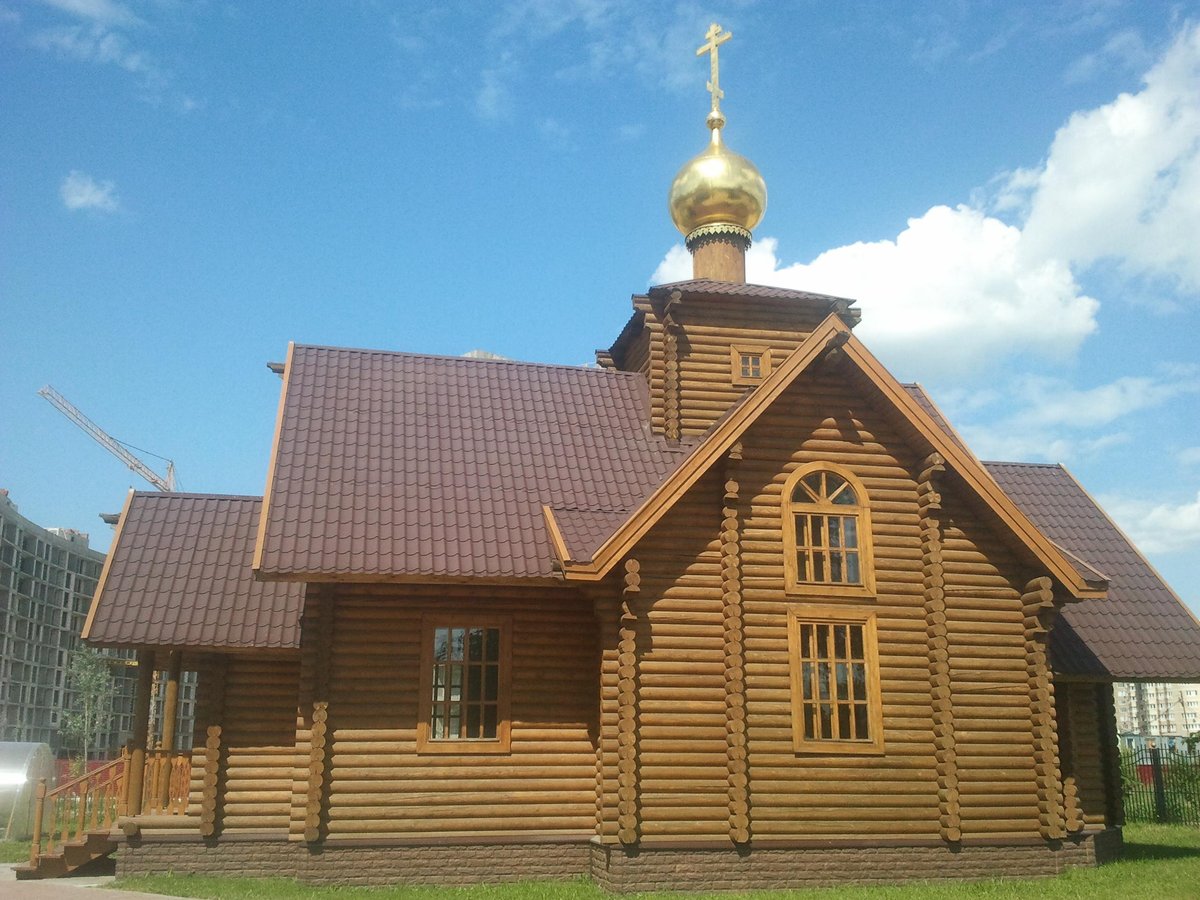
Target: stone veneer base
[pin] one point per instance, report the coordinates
(616, 868)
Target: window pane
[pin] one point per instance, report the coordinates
(456, 679)
(839, 643)
(843, 713)
(856, 642)
(814, 482)
(810, 712)
(819, 566)
(457, 639)
(843, 681)
(493, 645)
(475, 645)
(850, 526)
(835, 531)
(474, 716)
(835, 568)
(818, 536)
(826, 724)
(489, 722)
(823, 680)
(439, 726)
(845, 496)
(860, 722)
(807, 680)
(455, 719)
(441, 643)
(832, 484)
(491, 682)
(853, 575)
(474, 683)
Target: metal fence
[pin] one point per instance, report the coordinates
(1161, 785)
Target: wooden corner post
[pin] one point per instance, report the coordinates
(1040, 609)
(210, 791)
(322, 609)
(929, 506)
(628, 818)
(737, 769)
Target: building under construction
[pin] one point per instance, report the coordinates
(47, 579)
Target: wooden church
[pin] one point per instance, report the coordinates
(733, 608)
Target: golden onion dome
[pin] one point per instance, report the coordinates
(718, 188)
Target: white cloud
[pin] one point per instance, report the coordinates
(1157, 527)
(1054, 402)
(1036, 417)
(103, 11)
(954, 278)
(657, 42)
(1125, 50)
(96, 44)
(555, 134)
(80, 191)
(493, 100)
(1122, 182)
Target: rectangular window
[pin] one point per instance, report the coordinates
(464, 685)
(749, 364)
(827, 549)
(835, 682)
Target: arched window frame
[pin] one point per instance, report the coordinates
(794, 583)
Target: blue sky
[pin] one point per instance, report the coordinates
(1012, 191)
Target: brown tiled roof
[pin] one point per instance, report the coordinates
(584, 530)
(179, 576)
(397, 464)
(1141, 630)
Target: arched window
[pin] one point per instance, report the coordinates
(827, 529)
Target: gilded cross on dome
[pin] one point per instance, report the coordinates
(715, 39)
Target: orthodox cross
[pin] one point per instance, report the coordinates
(715, 39)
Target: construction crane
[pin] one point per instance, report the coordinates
(111, 444)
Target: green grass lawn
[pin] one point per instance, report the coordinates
(14, 851)
(1161, 861)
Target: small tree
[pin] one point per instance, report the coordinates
(90, 686)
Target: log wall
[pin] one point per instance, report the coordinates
(244, 744)
(379, 786)
(685, 351)
(702, 569)
(258, 742)
(1087, 751)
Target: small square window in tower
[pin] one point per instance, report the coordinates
(749, 364)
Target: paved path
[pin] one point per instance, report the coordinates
(81, 888)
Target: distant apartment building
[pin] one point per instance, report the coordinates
(1155, 710)
(47, 579)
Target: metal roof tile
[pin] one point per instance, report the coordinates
(193, 551)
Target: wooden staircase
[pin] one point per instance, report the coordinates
(83, 813)
(95, 847)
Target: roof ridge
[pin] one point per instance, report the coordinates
(744, 287)
(1027, 465)
(467, 359)
(197, 495)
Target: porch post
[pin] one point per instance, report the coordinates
(170, 713)
(141, 733)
